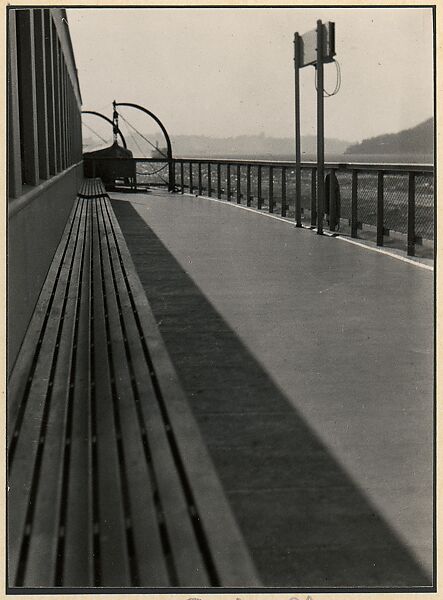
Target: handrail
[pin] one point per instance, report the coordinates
(417, 168)
(386, 167)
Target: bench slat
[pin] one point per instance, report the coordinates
(232, 561)
(20, 373)
(44, 539)
(114, 563)
(188, 561)
(78, 564)
(25, 458)
(148, 547)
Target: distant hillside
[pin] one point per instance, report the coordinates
(418, 140)
(249, 146)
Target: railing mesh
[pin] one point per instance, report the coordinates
(367, 199)
(396, 202)
(424, 206)
(345, 184)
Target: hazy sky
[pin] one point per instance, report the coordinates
(227, 72)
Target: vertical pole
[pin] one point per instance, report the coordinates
(219, 181)
(354, 197)
(259, 198)
(271, 190)
(228, 182)
(283, 192)
(42, 112)
(313, 197)
(411, 215)
(320, 132)
(27, 97)
(238, 184)
(209, 180)
(55, 79)
(297, 131)
(68, 125)
(171, 174)
(248, 185)
(182, 177)
(63, 109)
(13, 123)
(191, 185)
(380, 209)
(199, 179)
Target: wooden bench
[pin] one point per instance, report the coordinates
(110, 483)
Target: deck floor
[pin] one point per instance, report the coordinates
(309, 366)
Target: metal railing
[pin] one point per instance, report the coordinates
(391, 204)
(383, 202)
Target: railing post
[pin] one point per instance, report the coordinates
(209, 180)
(199, 179)
(354, 204)
(332, 207)
(171, 171)
(380, 209)
(259, 199)
(219, 181)
(248, 185)
(228, 182)
(271, 190)
(411, 215)
(313, 197)
(298, 196)
(182, 176)
(191, 185)
(238, 184)
(283, 192)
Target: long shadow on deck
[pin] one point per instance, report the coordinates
(303, 518)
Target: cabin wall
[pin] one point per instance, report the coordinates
(44, 154)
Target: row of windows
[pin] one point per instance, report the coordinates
(44, 114)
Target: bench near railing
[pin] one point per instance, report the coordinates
(387, 197)
(110, 483)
